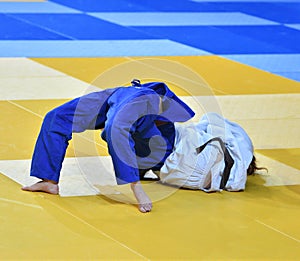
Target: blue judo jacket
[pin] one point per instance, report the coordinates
(137, 123)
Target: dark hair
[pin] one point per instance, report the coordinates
(253, 167)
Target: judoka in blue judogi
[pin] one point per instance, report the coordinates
(137, 122)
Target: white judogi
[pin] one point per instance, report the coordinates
(186, 168)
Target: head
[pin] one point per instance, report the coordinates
(253, 167)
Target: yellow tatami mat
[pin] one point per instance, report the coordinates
(288, 156)
(82, 223)
(221, 75)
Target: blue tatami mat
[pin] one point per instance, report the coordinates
(278, 35)
(214, 39)
(282, 11)
(105, 6)
(35, 7)
(82, 26)
(13, 29)
(181, 18)
(99, 48)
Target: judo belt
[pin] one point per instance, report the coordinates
(227, 158)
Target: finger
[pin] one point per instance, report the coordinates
(142, 209)
(146, 207)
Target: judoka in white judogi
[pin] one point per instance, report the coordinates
(185, 167)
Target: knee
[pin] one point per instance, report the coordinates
(54, 123)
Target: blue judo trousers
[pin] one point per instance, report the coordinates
(137, 122)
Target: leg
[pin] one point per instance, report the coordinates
(51, 146)
(48, 155)
(86, 112)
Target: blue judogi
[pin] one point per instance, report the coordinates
(137, 123)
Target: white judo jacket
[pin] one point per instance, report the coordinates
(186, 168)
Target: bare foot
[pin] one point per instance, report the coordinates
(145, 204)
(43, 186)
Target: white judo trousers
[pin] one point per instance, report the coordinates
(186, 168)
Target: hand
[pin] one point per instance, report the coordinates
(145, 204)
